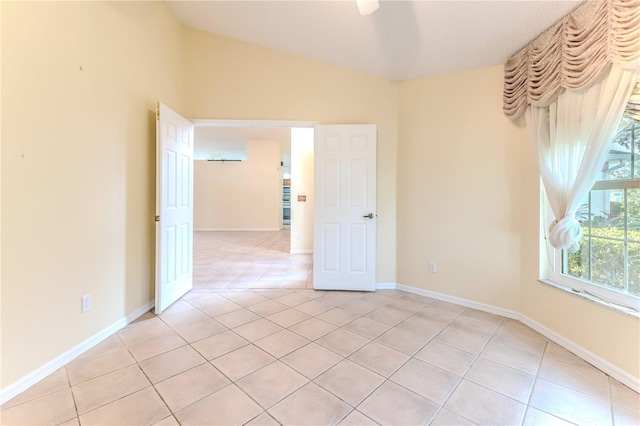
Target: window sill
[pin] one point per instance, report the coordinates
(581, 293)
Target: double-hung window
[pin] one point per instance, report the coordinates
(607, 265)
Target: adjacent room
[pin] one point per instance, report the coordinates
(485, 268)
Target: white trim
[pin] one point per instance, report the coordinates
(616, 372)
(385, 286)
(236, 229)
(35, 376)
(602, 364)
(301, 251)
(460, 301)
(200, 122)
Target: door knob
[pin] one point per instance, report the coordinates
(368, 216)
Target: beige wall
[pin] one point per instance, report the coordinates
(225, 78)
(468, 198)
(302, 184)
(79, 86)
(240, 194)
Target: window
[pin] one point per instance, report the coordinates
(607, 264)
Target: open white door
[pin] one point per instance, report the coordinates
(174, 207)
(344, 235)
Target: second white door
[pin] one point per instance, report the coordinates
(344, 240)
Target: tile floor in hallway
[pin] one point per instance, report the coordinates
(249, 260)
(290, 355)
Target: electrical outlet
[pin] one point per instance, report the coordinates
(298, 237)
(432, 266)
(86, 303)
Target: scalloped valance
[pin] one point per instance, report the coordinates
(573, 54)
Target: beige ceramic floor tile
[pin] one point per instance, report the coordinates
(392, 404)
(141, 408)
(471, 325)
(439, 304)
(367, 327)
(310, 405)
(167, 421)
(272, 383)
(110, 342)
(160, 344)
(292, 299)
(171, 363)
(425, 380)
(402, 340)
(242, 361)
(313, 307)
(484, 406)
(186, 388)
(586, 380)
(237, 318)
(83, 369)
(349, 381)
(622, 396)
(225, 407)
(342, 342)
(138, 332)
(200, 330)
(263, 419)
(288, 317)
(462, 340)
(517, 357)
(313, 328)
(379, 358)
(507, 381)
(569, 404)
(338, 317)
(405, 305)
(360, 306)
(312, 360)
(447, 418)
(105, 389)
(55, 382)
(389, 316)
(482, 316)
(559, 353)
(534, 417)
(434, 314)
(624, 416)
(445, 357)
(515, 333)
(184, 318)
(256, 330)
(71, 422)
(422, 327)
(219, 344)
(356, 418)
(267, 308)
(54, 408)
(281, 343)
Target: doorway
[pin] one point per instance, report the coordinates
(234, 253)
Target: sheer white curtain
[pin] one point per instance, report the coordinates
(573, 135)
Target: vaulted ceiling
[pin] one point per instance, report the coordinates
(401, 40)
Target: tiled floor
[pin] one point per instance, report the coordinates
(296, 356)
(249, 260)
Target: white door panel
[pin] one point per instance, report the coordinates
(345, 188)
(174, 207)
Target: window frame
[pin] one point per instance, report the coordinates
(578, 285)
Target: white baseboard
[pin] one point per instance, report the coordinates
(236, 229)
(301, 252)
(616, 372)
(385, 286)
(34, 377)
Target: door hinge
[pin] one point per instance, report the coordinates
(157, 218)
(158, 111)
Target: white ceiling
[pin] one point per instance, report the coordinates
(401, 40)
